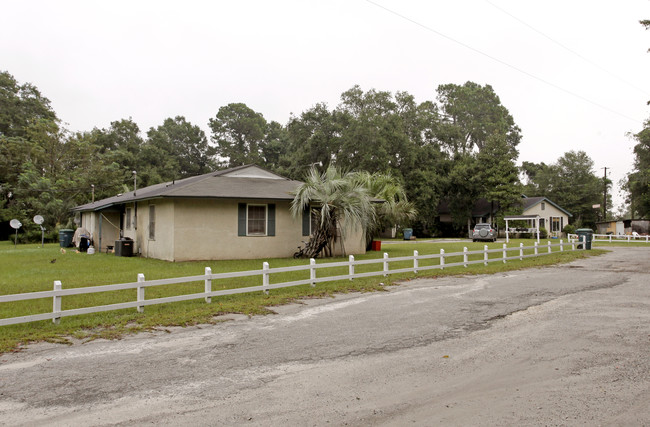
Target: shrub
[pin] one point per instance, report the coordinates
(543, 233)
(569, 229)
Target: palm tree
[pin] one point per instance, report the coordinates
(347, 201)
(394, 208)
(340, 204)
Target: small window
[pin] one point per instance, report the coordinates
(128, 218)
(152, 222)
(256, 220)
(543, 206)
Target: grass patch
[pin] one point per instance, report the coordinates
(30, 268)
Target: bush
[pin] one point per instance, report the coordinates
(569, 229)
(543, 233)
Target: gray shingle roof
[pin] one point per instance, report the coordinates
(211, 185)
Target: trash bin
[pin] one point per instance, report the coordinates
(65, 237)
(588, 235)
(124, 247)
(408, 232)
(376, 245)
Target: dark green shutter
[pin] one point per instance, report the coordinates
(241, 220)
(271, 220)
(306, 218)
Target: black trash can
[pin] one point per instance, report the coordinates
(124, 247)
(588, 236)
(65, 237)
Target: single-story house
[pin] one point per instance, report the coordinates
(552, 217)
(483, 211)
(237, 213)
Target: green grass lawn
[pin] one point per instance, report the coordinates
(30, 268)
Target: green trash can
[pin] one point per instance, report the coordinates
(588, 235)
(65, 237)
(408, 232)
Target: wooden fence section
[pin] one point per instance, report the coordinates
(141, 284)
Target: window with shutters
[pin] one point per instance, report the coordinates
(256, 220)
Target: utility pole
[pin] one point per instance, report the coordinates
(605, 195)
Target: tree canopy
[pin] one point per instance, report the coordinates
(457, 147)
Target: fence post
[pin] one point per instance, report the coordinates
(628, 238)
(208, 284)
(416, 262)
(521, 252)
(584, 242)
(442, 259)
(56, 302)
(561, 247)
(385, 264)
(573, 244)
(485, 254)
(265, 277)
(549, 246)
(140, 293)
(312, 272)
(465, 257)
(536, 249)
(610, 238)
(351, 267)
(505, 252)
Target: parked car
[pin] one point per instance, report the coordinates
(484, 232)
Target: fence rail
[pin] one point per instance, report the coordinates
(614, 238)
(141, 284)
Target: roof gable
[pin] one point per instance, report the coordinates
(243, 182)
(529, 202)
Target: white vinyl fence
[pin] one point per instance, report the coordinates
(614, 238)
(58, 293)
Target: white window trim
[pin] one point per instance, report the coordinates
(266, 220)
(559, 222)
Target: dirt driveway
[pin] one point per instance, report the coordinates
(566, 345)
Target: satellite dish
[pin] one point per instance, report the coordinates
(38, 219)
(15, 224)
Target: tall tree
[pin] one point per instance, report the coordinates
(238, 133)
(498, 173)
(471, 114)
(314, 137)
(21, 105)
(174, 150)
(638, 181)
(572, 183)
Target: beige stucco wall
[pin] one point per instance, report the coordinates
(203, 229)
(547, 213)
(207, 229)
(162, 245)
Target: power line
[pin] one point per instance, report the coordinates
(495, 59)
(568, 48)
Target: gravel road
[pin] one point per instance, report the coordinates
(564, 345)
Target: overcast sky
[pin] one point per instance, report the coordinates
(573, 73)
